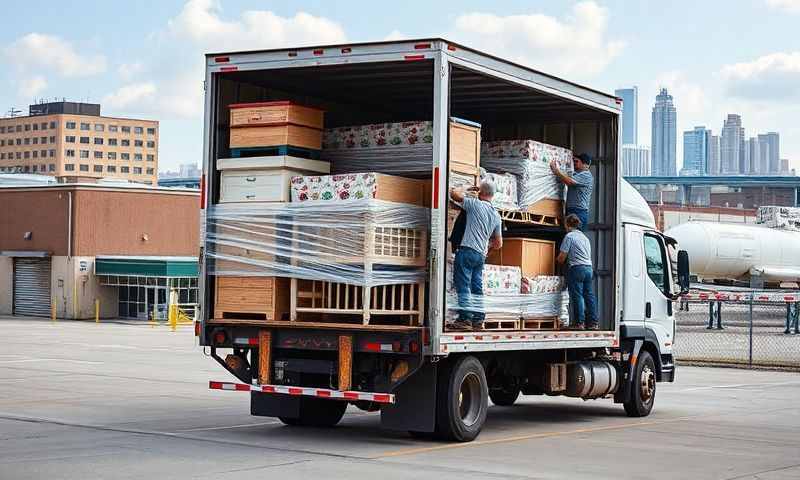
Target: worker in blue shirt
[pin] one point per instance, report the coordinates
(579, 188)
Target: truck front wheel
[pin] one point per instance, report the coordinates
(463, 400)
(316, 412)
(643, 387)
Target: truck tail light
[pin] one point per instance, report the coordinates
(422, 46)
(222, 59)
(413, 346)
(196, 329)
(220, 337)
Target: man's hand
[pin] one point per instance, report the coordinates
(564, 178)
(457, 194)
(554, 168)
(561, 258)
(496, 242)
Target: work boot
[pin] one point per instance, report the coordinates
(593, 326)
(461, 326)
(578, 326)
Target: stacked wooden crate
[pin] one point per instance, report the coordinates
(262, 137)
(464, 152)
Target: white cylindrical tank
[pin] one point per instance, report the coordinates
(730, 251)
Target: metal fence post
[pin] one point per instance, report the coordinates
(750, 355)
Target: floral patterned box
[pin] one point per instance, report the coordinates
(530, 161)
(357, 186)
(542, 284)
(377, 135)
(501, 280)
(505, 195)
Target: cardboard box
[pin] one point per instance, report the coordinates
(533, 256)
(354, 186)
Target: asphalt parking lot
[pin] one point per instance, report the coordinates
(82, 400)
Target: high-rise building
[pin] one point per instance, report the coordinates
(713, 155)
(773, 139)
(785, 166)
(732, 146)
(764, 154)
(664, 132)
(67, 139)
(752, 153)
(630, 114)
(695, 151)
(635, 161)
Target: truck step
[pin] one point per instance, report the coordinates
(540, 324)
(277, 150)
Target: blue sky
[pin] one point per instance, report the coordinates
(145, 59)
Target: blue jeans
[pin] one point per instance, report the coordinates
(582, 214)
(468, 279)
(581, 294)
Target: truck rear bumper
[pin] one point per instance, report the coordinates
(347, 395)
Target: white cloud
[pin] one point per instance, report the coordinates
(690, 98)
(200, 21)
(136, 95)
(785, 5)
(37, 51)
(127, 71)
(33, 86)
(395, 35)
(774, 77)
(576, 46)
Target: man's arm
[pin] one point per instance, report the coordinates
(566, 244)
(561, 258)
(457, 194)
(564, 178)
(496, 240)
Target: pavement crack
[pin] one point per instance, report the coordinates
(760, 472)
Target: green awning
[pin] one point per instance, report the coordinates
(147, 267)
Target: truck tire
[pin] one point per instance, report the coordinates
(463, 400)
(316, 412)
(643, 387)
(504, 396)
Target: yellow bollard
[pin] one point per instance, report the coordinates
(96, 310)
(53, 310)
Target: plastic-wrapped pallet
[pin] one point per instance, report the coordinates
(786, 218)
(530, 161)
(553, 299)
(505, 184)
(542, 284)
(396, 148)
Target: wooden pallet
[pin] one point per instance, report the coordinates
(509, 324)
(551, 323)
(301, 152)
(516, 216)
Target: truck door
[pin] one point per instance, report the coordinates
(633, 287)
(658, 307)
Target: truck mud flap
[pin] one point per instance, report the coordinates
(415, 402)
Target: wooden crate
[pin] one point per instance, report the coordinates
(269, 136)
(274, 161)
(252, 298)
(392, 188)
(533, 256)
(365, 303)
(275, 113)
(465, 146)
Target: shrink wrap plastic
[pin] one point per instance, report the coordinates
(530, 162)
(505, 184)
(404, 148)
(506, 292)
(359, 242)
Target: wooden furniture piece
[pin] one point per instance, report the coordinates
(533, 256)
(275, 113)
(465, 146)
(253, 298)
(277, 135)
(379, 186)
(263, 179)
(331, 298)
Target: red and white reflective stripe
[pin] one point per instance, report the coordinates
(306, 391)
(493, 337)
(744, 297)
(245, 341)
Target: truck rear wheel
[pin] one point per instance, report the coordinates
(643, 389)
(463, 400)
(316, 412)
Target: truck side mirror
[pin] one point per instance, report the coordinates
(683, 271)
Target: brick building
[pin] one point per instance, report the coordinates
(68, 139)
(63, 246)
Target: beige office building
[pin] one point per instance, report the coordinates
(68, 139)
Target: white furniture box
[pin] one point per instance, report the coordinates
(263, 179)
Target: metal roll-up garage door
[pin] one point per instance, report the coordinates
(32, 286)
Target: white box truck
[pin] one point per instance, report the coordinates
(423, 378)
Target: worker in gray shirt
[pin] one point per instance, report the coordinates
(482, 231)
(576, 252)
(579, 187)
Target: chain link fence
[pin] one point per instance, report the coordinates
(747, 329)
